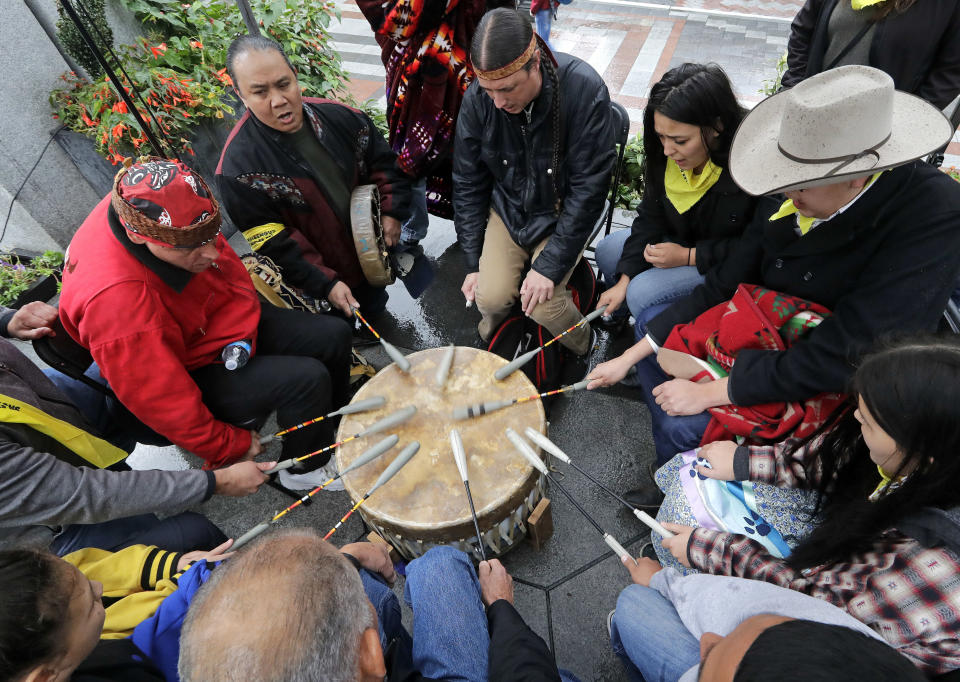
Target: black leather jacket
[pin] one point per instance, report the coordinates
(501, 162)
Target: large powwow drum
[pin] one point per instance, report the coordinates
(368, 236)
(425, 503)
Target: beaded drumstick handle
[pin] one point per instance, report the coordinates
(405, 456)
(479, 409)
(551, 447)
(519, 362)
(368, 456)
(524, 449)
(388, 422)
(352, 408)
(391, 350)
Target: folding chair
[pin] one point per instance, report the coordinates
(621, 125)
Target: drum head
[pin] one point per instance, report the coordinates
(426, 499)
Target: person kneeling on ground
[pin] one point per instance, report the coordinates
(748, 631)
(318, 623)
(156, 294)
(532, 164)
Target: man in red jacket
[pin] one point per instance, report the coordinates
(156, 294)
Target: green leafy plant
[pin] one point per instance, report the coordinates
(772, 85)
(953, 172)
(179, 68)
(69, 36)
(17, 274)
(630, 190)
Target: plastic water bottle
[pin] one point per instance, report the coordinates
(236, 354)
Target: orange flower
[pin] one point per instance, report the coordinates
(103, 138)
(118, 130)
(197, 44)
(158, 50)
(87, 119)
(120, 107)
(223, 77)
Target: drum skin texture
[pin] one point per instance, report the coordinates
(425, 503)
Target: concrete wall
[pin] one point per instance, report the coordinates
(56, 198)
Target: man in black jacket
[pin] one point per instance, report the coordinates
(532, 165)
(866, 231)
(330, 615)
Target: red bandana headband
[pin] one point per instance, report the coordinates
(512, 67)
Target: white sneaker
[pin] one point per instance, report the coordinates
(312, 479)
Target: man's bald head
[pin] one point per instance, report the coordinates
(291, 608)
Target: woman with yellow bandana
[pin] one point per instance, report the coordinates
(692, 212)
(916, 43)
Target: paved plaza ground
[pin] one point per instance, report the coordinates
(565, 590)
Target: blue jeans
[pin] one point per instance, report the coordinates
(544, 18)
(387, 606)
(651, 287)
(649, 637)
(670, 434)
(415, 229)
(184, 532)
(450, 639)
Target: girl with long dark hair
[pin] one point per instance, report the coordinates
(692, 212)
(885, 471)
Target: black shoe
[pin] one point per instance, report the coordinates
(648, 552)
(647, 497)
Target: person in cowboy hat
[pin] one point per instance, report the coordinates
(153, 290)
(866, 230)
(531, 169)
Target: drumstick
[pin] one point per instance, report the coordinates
(405, 456)
(388, 422)
(479, 409)
(519, 362)
(460, 457)
(392, 351)
(443, 370)
(368, 456)
(352, 408)
(521, 445)
(551, 447)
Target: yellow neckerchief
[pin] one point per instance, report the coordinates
(860, 4)
(684, 189)
(886, 485)
(803, 222)
(88, 447)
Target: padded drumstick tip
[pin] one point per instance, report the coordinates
(652, 523)
(446, 362)
(399, 461)
(280, 466)
(479, 409)
(590, 317)
(391, 420)
(402, 363)
(524, 449)
(546, 444)
(515, 364)
(459, 455)
(249, 535)
(363, 405)
(372, 453)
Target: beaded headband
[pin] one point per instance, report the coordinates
(512, 67)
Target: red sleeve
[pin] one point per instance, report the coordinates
(141, 353)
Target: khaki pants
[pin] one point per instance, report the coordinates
(502, 263)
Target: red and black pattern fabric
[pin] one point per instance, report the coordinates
(167, 192)
(425, 52)
(755, 318)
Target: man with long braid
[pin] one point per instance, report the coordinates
(532, 164)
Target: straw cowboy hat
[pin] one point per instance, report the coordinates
(840, 124)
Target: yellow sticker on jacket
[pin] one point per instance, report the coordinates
(261, 234)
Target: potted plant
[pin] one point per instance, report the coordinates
(27, 277)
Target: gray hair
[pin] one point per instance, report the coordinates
(249, 43)
(290, 608)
